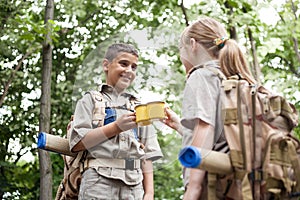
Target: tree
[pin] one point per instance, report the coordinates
(44, 157)
(19, 44)
(78, 28)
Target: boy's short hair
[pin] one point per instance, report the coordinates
(114, 49)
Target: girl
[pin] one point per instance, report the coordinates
(205, 48)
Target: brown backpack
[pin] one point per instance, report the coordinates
(263, 151)
(69, 186)
(264, 154)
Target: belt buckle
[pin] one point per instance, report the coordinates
(129, 163)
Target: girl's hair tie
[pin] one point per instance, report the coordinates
(220, 41)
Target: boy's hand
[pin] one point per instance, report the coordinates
(126, 122)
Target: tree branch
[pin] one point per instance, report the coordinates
(184, 13)
(19, 156)
(8, 83)
(285, 62)
(295, 40)
(296, 47)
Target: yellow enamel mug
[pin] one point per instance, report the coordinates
(142, 117)
(146, 113)
(156, 110)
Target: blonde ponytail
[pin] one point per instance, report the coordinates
(233, 62)
(212, 36)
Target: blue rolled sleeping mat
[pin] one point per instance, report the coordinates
(54, 143)
(208, 160)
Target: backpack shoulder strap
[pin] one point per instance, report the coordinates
(96, 95)
(133, 101)
(99, 108)
(215, 70)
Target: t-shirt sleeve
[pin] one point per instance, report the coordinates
(200, 98)
(149, 139)
(82, 122)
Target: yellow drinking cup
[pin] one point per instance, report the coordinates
(156, 110)
(142, 117)
(146, 113)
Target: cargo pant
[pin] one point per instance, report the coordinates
(96, 187)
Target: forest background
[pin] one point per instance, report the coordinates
(50, 53)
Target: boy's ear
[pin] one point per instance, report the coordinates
(105, 64)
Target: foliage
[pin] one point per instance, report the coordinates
(80, 29)
(167, 172)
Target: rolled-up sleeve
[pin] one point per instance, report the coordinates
(82, 122)
(203, 88)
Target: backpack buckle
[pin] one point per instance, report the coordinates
(256, 175)
(129, 163)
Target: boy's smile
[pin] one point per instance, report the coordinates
(121, 71)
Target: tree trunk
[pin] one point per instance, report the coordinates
(231, 27)
(256, 69)
(45, 112)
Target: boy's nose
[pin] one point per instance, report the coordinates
(129, 69)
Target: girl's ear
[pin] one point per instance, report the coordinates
(105, 64)
(194, 44)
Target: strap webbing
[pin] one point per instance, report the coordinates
(246, 188)
(240, 124)
(295, 164)
(215, 70)
(255, 181)
(212, 182)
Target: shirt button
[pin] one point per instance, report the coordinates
(123, 138)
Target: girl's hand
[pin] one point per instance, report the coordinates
(172, 120)
(192, 194)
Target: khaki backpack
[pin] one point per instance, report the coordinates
(264, 154)
(74, 166)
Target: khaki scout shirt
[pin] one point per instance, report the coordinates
(124, 145)
(202, 99)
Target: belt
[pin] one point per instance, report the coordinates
(126, 163)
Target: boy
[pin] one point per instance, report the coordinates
(119, 155)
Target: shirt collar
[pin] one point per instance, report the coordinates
(211, 63)
(105, 88)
